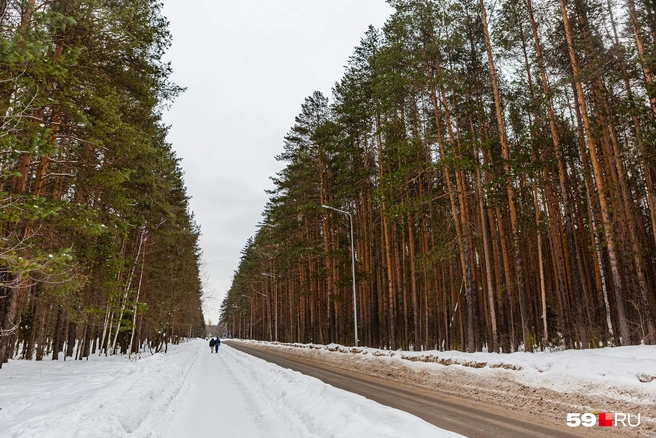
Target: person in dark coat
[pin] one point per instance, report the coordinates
(217, 344)
(212, 342)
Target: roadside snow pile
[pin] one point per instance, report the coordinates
(623, 373)
(102, 397)
(187, 392)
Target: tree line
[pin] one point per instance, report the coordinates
(498, 160)
(98, 249)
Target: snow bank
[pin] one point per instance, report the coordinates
(102, 397)
(622, 373)
(162, 395)
(593, 371)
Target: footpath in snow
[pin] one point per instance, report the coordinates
(188, 392)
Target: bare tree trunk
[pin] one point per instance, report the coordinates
(488, 264)
(387, 248)
(505, 152)
(58, 335)
(413, 283)
(127, 288)
(651, 196)
(599, 181)
(644, 58)
(136, 300)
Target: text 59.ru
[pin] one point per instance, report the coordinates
(605, 419)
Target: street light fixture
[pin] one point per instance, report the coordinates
(276, 305)
(355, 302)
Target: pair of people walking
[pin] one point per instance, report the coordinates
(214, 345)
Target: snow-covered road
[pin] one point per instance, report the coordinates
(187, 392)
(232, 394)
(214, 402)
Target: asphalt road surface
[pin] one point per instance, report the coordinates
(460, 415)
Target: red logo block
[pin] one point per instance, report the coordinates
(605, 419)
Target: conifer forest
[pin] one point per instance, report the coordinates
(497, 160)
(98, 249)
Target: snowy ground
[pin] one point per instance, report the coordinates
(620, 379)
(187, 393)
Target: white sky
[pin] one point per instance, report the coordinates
(248, 65)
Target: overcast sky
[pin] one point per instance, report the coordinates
(248, 65)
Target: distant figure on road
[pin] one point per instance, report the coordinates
(217, 343)
(212, 343)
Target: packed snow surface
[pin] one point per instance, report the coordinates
(188, 392)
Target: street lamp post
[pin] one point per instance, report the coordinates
(266, 309)
(355, 302)
(276, 305)
(234, 308)
(250, 331)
